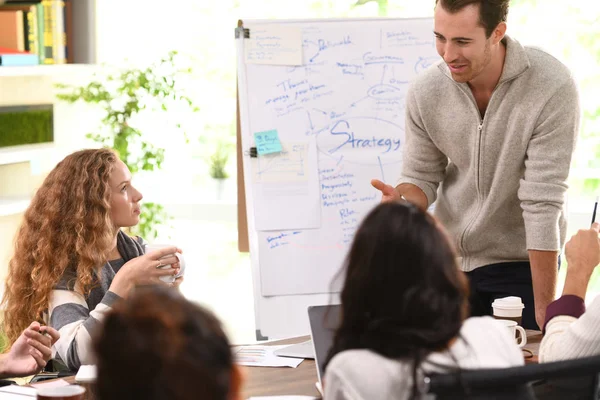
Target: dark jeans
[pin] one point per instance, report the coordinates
(495, 281)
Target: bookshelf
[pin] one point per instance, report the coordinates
(79, 18)
(17, 82)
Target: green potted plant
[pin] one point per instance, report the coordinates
(382, 6)
(122, 96)
(217, 166)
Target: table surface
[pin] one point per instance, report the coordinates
(263, 381)
(301, 381)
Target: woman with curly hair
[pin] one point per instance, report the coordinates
(72, 261)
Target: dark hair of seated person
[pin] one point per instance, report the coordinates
(403, 295)
(158, 345)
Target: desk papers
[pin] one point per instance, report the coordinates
(263, 356)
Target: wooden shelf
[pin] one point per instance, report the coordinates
(13, 205)
(45, 70)
(25, 153)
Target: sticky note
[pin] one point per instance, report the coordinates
(267, 142)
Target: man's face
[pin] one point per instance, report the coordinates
(461, 42)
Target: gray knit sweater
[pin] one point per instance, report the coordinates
(500, 181)
(77, 315)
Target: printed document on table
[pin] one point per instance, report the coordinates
(263, 356)
(286, 188)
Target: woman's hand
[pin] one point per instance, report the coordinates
(144, 270)
(177, 282)
(583, 256)
(30, 353)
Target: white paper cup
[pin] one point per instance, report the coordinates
(508, 308)
(169, 278)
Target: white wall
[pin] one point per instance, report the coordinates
(71, 123)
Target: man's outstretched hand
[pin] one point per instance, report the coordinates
(403, 192)
(388, 193)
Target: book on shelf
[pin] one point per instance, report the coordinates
(30, 24)
(54, 31)
(12, 30)
(49, 22)
(68, 15)
(58, 31)
(13, 58)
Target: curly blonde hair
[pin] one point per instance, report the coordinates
(67, 225)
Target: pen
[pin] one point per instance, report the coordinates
(594, 213)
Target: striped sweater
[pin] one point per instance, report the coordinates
(571, 331)
(77, 316)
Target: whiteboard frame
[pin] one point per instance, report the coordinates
(260, 301)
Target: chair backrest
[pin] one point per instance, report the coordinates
(572, 379)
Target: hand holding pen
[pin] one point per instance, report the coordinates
(595, 209)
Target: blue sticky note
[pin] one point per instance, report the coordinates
(267, 142)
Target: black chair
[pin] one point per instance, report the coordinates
(571, 379)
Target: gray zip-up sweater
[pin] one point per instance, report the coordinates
(502, 179)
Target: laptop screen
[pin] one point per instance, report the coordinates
(324, 321)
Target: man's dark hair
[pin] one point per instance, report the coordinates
(491, 12)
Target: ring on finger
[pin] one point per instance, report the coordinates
(160, 264)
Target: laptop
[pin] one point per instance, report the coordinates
(324, 320)
(307, 349)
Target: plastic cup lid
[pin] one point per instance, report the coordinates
(511, 302)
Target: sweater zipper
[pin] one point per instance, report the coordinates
(469, 94)
(477, 188)
(478, 176)
(478, 169)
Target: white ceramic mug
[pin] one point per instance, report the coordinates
(513, 328)
(168, 278)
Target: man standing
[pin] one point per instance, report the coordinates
(490, 132)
